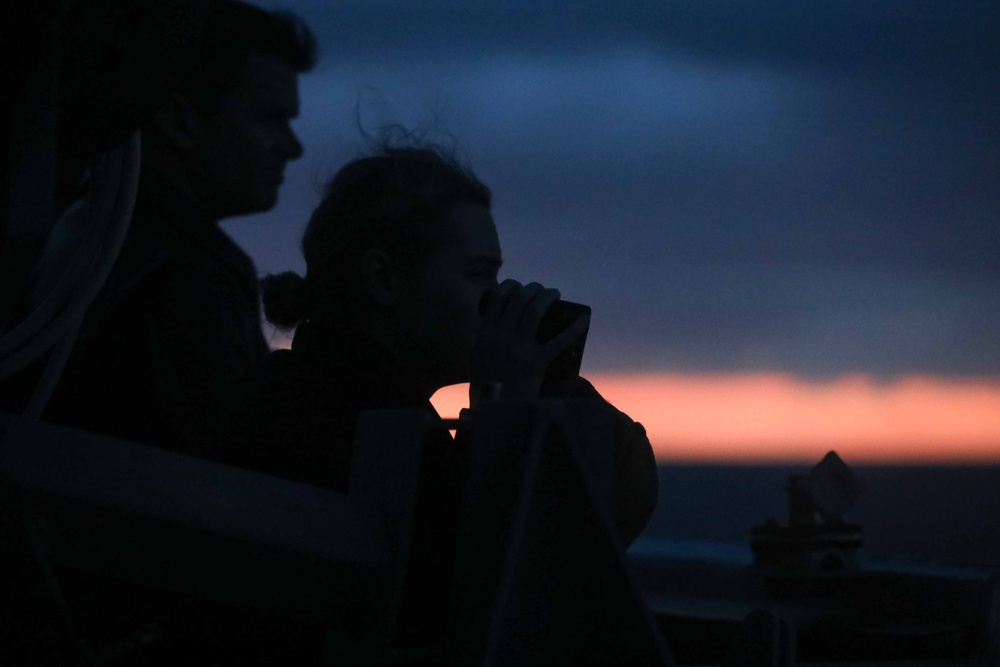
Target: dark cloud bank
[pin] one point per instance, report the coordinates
(804, 187)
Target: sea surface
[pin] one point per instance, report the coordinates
(942, 514)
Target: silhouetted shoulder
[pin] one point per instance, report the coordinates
(288, 422)
(637, 479)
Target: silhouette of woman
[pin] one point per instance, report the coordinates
(399, 254)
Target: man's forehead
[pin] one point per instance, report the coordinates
(264, 76)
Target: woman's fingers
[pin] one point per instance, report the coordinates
(541, 299)
(507, 347)
(517, 309)
(525, 309)
(497, 298)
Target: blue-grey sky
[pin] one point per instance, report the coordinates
(810, 187)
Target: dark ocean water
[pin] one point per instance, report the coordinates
(928, 513)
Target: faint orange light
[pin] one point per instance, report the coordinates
(762, 418)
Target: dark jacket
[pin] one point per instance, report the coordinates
(175, 326)
(296, 419)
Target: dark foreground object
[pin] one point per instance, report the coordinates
(893, 610)
(127, 554)
(541, 577)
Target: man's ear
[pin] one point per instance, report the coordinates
(378, 273)
(178, 121)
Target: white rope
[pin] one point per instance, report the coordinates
(58, 317)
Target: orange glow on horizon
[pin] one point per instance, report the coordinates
(778, 418)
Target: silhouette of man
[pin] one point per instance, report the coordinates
(178, 321)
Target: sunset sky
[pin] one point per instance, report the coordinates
(774, 418)
(785, 215)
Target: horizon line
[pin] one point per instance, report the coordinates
(747, 418)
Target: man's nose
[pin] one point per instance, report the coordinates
(289, 145)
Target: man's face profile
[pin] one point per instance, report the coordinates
(238, 159)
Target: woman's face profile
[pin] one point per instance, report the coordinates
(439, 310)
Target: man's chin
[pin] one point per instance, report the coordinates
(268, 201)
(261, 205)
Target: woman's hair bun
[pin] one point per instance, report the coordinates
(285, 299)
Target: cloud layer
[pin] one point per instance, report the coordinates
(802, 187)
